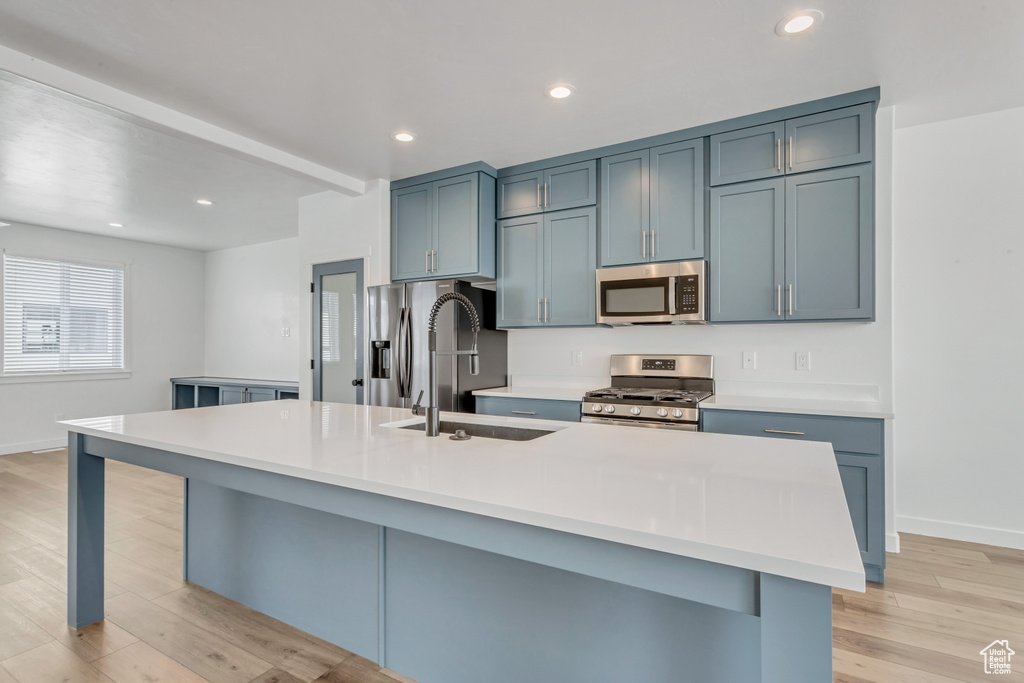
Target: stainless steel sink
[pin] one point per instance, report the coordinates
(486, 431)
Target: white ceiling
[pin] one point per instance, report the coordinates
(329, 81)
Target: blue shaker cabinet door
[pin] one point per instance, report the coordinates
(570, 240)
(520, 271)
(747, 260)
(520, 195)
(456, 217)
(625, 208)
(571, 186)
(829, 245)
(412, 211)
(748, 154)
(830, 139)
(862, 485)
(677, 202)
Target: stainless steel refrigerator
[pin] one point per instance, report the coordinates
(398, 354)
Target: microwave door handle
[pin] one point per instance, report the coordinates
(673, 284)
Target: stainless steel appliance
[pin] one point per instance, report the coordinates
(653, 293)
(653, 391)
(399, 357)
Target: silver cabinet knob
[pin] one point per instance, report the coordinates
(635, 410)
(609, 409)
(596, 407)
(677, 413)
(662, 412)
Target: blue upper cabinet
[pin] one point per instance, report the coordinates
(652, 204)
(443, 228)
(546, 266)
(552, 189)
(840, 137)
(797, 248)
(677, 201)
(748, 154)
(829, 245)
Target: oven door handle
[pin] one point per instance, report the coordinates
(678, 426)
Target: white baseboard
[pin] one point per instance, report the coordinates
(7, 449)
(892, 543)
(1007, 538)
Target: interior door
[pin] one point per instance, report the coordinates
(338, 331)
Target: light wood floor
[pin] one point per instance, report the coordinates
(942, 602)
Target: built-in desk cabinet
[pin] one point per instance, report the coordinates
(829, 139)
(859, 447)
(795, 248)
(652, 204)
(552, 189)
(199, 392)
(546, 269)
(443, 228)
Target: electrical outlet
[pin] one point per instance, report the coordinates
(750, 360)
(286, 331)
(803, 360)
(577, 358)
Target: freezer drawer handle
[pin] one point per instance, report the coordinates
(522, 412)
(783, 431)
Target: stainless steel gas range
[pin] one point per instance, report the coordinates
(653, 391)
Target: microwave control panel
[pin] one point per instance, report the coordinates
(687, 301)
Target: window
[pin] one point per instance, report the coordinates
(62, 317)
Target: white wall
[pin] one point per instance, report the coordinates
(333, 227)
(251, 296)
(165, 336)
(959, 333)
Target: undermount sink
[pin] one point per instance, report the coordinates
(486, 431)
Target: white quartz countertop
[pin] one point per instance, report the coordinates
(768, 505)
(763, 404)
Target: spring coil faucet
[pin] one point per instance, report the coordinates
(433, 422)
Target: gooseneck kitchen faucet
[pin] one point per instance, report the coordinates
(433, 426)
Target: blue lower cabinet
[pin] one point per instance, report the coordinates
(859, 447)
(201, 392)
(539, 409)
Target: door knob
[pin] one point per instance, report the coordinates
(357, 382)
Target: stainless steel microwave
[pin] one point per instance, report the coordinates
(653, 293)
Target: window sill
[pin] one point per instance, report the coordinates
(65, 376)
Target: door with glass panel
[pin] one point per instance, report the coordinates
(338, 331)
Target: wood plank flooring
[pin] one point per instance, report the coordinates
(942, 602)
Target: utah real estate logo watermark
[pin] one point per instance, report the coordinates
(997, 657)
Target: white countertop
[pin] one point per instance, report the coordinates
(768, 505)
(764, 404)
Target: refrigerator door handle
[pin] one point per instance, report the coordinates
(408, 353)
(399, 343)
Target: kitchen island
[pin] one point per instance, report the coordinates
(593, 553)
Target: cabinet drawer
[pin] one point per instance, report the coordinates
(540, 409)
(848, 434)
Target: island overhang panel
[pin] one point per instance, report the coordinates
(572, 555)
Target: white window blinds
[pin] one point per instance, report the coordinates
(62, 317)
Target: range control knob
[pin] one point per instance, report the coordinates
(609, 409)
(596, 407)
(677, 413)
(635, 410)
(662, 412)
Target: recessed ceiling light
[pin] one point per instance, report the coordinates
(560, 91)
(799, 22)
(403, 136)
(116, 225)
(205, 202)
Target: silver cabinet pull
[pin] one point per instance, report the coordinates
(539, 205)
(522, 412)
(643, 239)
(778, 299)
(245, 395)
(778, 154)
(790, 298)
(790, 155)
(546, 203)
(433, 261)
(547, 316)
(426, 267)
(652, 243)
(538, 311)
(783, 431)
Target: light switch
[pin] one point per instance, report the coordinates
(577, 358)
(750, 360)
